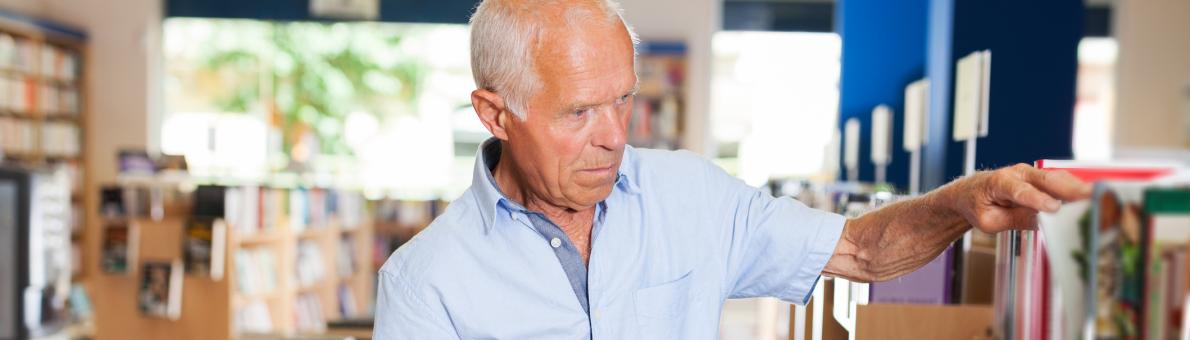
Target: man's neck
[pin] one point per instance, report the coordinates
(577, 224)
(512, 183)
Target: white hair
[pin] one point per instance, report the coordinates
(503, 36)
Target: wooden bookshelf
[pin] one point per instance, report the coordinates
(659, 118)
(896, 321)
(210, 307)
(34, 110)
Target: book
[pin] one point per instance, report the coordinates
(1092, 269)
(210, 201)
(253, 317)
(80, 303)
(347, 207)
(76, 259)
(299, 216)
(203, 246)
(316, 209)
(138, 202)
(929, 284)
(160, 292)
(1092, 171)
(347, 303)
(310, 266)
(1113, 260)
(345, 261)
(242, 209)
(256, 270)
(118, 253)
(1166, 231)
(273, 205)
(136, 163)
(111, 202)
(308, 313)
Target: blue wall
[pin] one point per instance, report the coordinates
(1034, 62)
(1034, 47)
(884, 49)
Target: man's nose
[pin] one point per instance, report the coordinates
(610, 132)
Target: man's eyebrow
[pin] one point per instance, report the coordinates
(586, 105)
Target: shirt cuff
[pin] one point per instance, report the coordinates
(822, 246)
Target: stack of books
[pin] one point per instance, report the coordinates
(308, 314)
(311, 268)
(253, 317)
(256, 271)
(1109, 267)
(253, 209)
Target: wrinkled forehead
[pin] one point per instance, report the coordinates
(584, 43)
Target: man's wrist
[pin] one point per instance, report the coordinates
(947, 202)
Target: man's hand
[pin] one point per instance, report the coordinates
(1009, 198)
(904, 236)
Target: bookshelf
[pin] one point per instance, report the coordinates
(42, 111)
(658, 117)
(892, 321)
(281, 270)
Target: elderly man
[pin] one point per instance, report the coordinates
(568, 233)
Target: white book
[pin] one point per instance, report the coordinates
(851, 146)
(968, 96)
(881, 152)
(916, 125)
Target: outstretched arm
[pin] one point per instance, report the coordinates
(904, 236)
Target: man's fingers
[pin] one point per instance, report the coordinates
(1024, 194)
(1057, 183)
(1001, 219)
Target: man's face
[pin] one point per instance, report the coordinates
(570, 145)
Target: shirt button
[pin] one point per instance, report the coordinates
(598, 315)
(555, 242)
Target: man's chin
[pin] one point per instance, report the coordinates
(593, 196)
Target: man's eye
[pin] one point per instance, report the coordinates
(622, 100)
(581, 112)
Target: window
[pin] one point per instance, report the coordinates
(379, 106)
(774, 103)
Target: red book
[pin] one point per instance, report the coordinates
(1090, 171)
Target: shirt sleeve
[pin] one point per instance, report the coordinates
(774, 247)
(401, 313)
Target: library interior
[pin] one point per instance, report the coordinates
(344, 169)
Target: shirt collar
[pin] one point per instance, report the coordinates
(490, 198)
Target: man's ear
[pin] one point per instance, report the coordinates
(490, 108)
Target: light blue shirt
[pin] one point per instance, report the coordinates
(675, 238)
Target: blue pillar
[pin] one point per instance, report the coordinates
(884, 49)
(939, 71)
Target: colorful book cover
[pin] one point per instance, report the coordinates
(1072, 246)
(1166, 232)
(118, 253)
(161, 289)
(203, 246)
(1115, 260)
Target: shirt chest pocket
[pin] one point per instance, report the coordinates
(660, 308)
